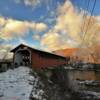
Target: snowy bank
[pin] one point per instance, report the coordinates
(15, 84)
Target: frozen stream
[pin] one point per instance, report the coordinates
(14, 84)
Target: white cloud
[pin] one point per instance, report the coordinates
(11, 28)
(68, 28)
(33, 3)
(37, 37)
(40, 27)
(36, 3)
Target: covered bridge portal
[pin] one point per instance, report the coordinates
(25, 55)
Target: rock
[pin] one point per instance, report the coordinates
(23, 94)
(1, 94)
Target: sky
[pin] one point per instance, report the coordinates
(48, 24)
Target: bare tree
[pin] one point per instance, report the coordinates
(6, 53)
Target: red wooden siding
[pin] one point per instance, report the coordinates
(41, 60)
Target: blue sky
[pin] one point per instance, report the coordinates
(83, 4)
(43, 12)
(20, 11)
(9, 8)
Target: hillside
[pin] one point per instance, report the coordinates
(89, 55)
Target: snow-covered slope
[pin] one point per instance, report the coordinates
(14, 84)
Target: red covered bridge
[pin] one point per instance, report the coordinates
(25, 55)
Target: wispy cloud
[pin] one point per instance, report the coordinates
(37, 37)
(32, 3)
(36, 3)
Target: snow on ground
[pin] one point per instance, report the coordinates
(14, 84)
(90, 95)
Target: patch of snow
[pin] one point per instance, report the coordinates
(15, 84)
(89, 82)
(94, 95)
(37, 91)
